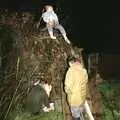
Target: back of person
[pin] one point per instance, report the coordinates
(36, 98)
(78, 85)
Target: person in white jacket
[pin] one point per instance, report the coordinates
(51, 20)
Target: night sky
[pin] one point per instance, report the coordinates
(94, 25)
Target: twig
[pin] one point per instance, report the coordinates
(18, 61)
(32, 75)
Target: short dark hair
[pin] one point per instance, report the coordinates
(72, 59)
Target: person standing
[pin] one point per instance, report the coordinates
(76, 81)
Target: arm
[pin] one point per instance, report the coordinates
(45, 17)
(68, 82)
(84, 87)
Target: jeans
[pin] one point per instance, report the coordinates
(77, 112)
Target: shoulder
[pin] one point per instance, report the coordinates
(69, 71)
(84, 70)
(44, 13)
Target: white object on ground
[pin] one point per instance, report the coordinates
(52, 106)
(88, 111)
(48, 109)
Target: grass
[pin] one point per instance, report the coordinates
(19, 113)
(52, 115)
(111, 100)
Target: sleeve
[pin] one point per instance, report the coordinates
(86, 80)
(84, 85)
(68, 82)
(86, 75)
(46, 17)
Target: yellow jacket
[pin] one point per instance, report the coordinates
(76, 84)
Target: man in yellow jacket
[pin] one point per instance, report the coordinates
(76, 87)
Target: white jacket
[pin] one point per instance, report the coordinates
(50, 16)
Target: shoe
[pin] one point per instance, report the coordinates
(66, 38)
(52, 37)
(52, 106)
(67, 41)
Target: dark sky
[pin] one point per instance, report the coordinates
(96, 24)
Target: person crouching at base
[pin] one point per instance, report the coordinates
(38, 98)
(48, 87)
(76, 81)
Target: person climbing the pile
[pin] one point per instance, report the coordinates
(51, 20)
(76, 80)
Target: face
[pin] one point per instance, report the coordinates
(48, 8)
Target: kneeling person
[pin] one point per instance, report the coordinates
(38, 98)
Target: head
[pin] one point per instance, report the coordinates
(72, 60)
(48, 8)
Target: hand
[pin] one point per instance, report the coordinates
(52, 23)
